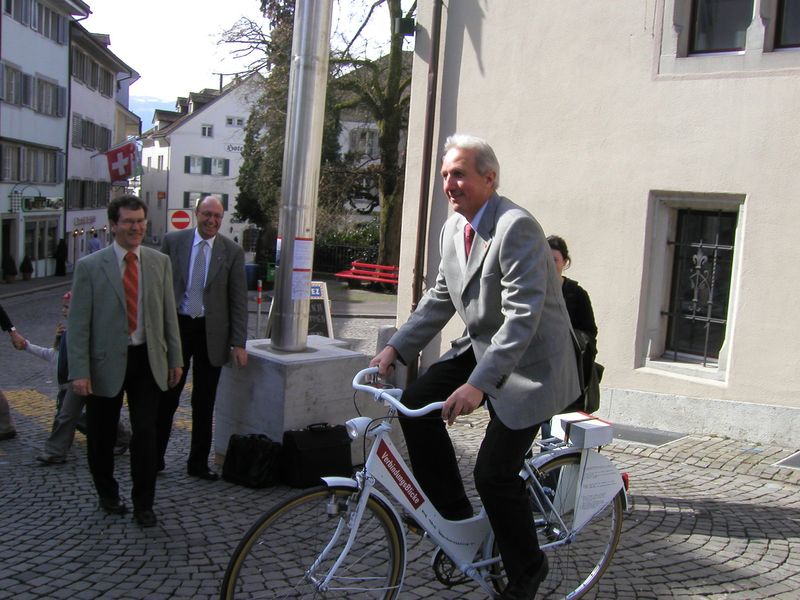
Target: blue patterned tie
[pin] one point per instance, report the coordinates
(195, 304)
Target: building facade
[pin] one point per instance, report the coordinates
(193, 152)
(659, 138)
(99, 120)
(34, 103)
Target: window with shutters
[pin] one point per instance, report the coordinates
(194, 165)
(219, 166)
(77, 130)
(9, 162)
(12, 88)
(27, 90)
(106, 83)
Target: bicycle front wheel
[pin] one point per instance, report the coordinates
(577, 564)
(291, 550)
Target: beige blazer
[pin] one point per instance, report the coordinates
(97, 344)
(509, 296)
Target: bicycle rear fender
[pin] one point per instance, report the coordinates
(538, 460)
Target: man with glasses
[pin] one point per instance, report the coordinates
(124, 339)
(211, 296)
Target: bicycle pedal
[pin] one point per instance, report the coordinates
(446, 571)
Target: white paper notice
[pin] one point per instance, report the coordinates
(301, 285)
(303, 254)
(600, 483)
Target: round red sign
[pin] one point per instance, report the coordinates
(180, 219)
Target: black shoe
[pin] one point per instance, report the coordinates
(525, 587)
(145, 518)
(51, 460)
(113, 506)
(204, 473)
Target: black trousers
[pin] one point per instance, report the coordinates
(102, 417)
(205, 378)
(497, 466)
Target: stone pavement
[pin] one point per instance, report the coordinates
(710, 518)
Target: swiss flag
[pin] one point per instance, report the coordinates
(120, 161)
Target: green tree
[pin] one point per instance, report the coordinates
(377, 87)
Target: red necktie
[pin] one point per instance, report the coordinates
(130, 281)
(469, 234)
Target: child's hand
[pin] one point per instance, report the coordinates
(20, 343)
(60, 328)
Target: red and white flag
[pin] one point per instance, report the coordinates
(121, 161)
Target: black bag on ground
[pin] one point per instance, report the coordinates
(252, 460)
(317, 451)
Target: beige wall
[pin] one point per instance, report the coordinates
(598, 127)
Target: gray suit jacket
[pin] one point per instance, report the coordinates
(509, 296)
(98, 325)
(225, 294)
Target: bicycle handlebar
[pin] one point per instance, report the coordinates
(390, 395)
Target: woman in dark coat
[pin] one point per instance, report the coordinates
(581, 315)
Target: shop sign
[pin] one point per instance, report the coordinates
(30, 203)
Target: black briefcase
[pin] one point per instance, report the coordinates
(317, 451)
(252, 460)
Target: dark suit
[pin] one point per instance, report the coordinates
(206, 340)
(98, 347)
(517, 350)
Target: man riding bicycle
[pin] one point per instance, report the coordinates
(497, 273)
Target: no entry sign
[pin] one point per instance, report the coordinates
(180, 219)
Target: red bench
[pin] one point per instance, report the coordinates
(361, 271)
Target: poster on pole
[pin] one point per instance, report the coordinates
(319, 312)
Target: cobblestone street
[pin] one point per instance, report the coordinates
(710, 517)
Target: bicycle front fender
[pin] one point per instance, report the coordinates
(347, 482)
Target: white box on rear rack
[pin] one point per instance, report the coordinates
(582, 430)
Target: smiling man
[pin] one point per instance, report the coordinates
(211, 295)
(123, 339)
(516, 355)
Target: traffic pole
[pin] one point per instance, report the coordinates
(258, 306)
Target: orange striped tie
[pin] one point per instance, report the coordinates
(130, 281)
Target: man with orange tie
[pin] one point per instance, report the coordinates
(124, 339)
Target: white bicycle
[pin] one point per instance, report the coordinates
(345, 539)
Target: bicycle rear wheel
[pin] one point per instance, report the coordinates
(281, 556)
(577, 565)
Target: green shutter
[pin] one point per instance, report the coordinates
(225, 196)
(206, 165)
(186, 199)
(226, 167)
(187, 163)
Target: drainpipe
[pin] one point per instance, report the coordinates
(308, 80)
(425, 178)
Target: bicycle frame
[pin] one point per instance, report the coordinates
(462, 541)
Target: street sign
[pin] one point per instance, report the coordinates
(179, 219)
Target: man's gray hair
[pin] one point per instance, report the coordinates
(485, 158)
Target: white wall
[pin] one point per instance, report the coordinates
(588, 123)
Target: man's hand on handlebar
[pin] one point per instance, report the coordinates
(385, 361)
(461, 402)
